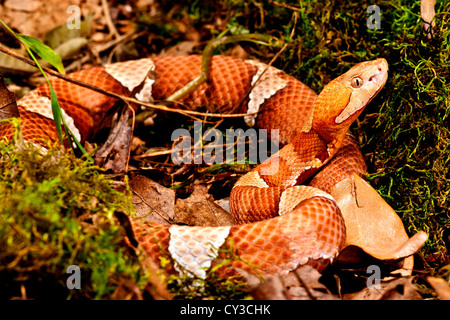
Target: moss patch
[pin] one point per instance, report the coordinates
(57, 211)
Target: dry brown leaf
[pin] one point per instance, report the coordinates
(396, 289)
(300, 284)
(200, 210)
(372, 225)
(441, 287)
(114, 153)
(182, 48)
(26, 15)
(152, 202)
(156, 203)
(8, 106)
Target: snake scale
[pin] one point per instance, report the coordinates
(279, 223)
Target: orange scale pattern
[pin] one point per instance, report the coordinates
(296, 162)
(280, 244)
(229, 83)
(288, 110)
(87, 107)
(347, 161)
(154, 239)
(35, 127)
(250, 204)
(6, 131)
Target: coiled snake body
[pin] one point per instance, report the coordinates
(279, 223)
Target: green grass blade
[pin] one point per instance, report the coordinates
(57, 114)
(44, 51)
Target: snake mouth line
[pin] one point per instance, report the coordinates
(381, 75)
(376, 77)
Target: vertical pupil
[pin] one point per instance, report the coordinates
(356, 82)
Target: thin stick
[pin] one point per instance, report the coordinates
(111, 26)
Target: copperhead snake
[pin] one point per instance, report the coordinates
(280, 224)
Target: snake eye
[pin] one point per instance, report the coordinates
(356, 82)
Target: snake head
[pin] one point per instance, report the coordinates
(343, 99)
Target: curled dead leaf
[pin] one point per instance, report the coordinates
(373, 226)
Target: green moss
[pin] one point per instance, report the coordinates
(411, 134)
(57, 211)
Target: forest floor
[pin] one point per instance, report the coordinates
(404, 135)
